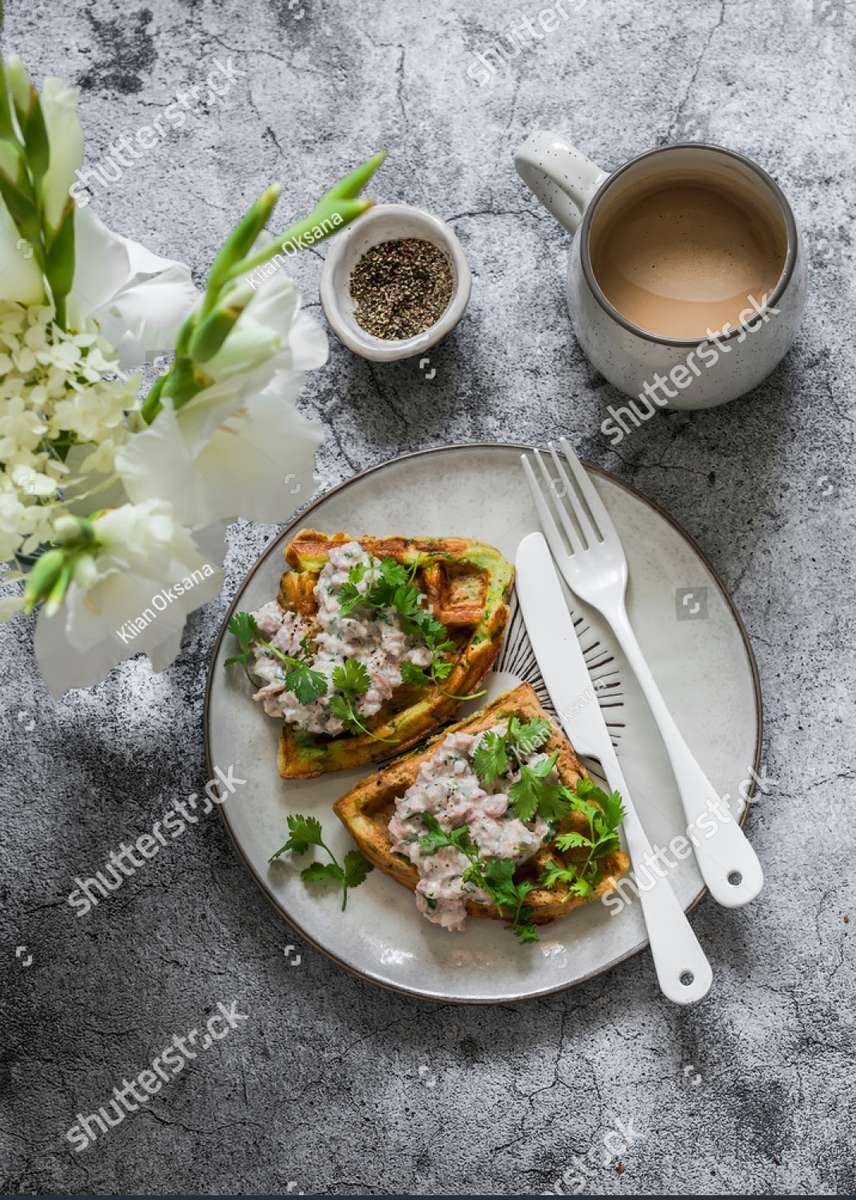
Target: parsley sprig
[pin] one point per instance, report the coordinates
(304, 832)
(493, 875)
(393, 588)
(301, 680)
(603, 812)
(352, 680)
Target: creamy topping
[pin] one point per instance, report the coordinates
(371, 637)
(448, 788)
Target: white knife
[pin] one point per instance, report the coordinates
(683, 972)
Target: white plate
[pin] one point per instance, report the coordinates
(703, 663)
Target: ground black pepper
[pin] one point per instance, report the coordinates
(400, 288)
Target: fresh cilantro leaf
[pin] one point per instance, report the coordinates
(613, 809)
(243, 626)
(535, 792)
(342, 709)
(553, 874)
(349, 594)
(571, 877)
(437, 837)
(307, 685)
(412, 674)
(441, 668)
(357, 867)
(511, 896)
(490, 759)
(352, 678)
(303, 832)
(322, 872)
(572, 840)
(393, 574)
(525, 738)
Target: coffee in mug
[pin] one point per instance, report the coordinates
(685, 260)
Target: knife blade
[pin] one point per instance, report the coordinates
(683, 972)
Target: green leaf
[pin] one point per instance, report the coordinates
(414, 675)
(490, 759)
(323, 873)
(352, 678)
(535, 792)
(526, 933)
(613, 809)
(393, 574)
(303, 832)
(526, 738)
(307, 685)
(572, 840)
(343, 711)
(350, 595)
(357, 867)
(242, 625)
(554, 874)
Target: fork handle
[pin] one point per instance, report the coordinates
(683, 971)
(728, 864)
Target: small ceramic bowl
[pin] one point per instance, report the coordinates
(385, 223)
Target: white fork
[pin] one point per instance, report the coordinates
(591, 559)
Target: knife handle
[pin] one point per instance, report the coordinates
(683, 972)
(728, 864)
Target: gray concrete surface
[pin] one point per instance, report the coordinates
(332, 1086)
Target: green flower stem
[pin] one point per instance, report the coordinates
(239, 242)
(322, 218)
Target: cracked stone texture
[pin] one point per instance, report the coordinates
(332, 1086)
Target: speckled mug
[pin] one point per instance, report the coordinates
(695, 372)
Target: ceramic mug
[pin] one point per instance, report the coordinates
(696, 372)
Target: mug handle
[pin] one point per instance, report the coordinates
(562, 178)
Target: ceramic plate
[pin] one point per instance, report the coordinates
(694, 641)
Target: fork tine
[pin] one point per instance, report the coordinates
(577, 546)
(597, 508)
(570, 502)
(551, 529)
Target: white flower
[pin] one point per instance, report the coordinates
(65, 137)
(138, 300)
(240, 447)
(133, 596)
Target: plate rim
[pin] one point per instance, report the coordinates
(298, 518)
